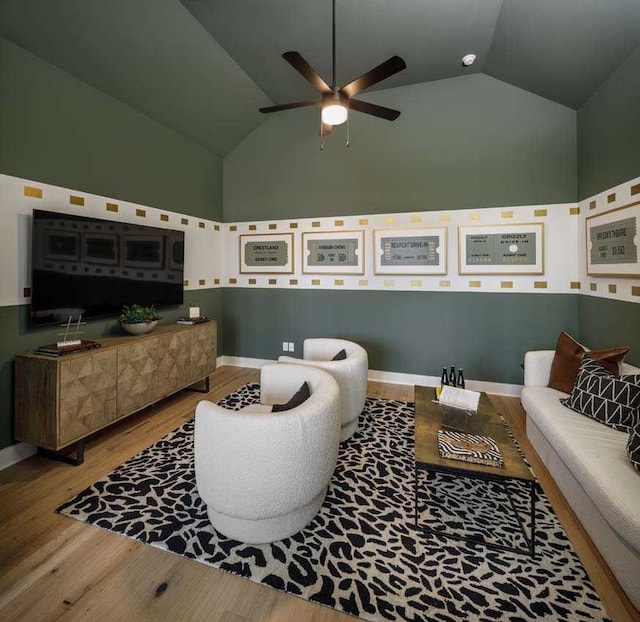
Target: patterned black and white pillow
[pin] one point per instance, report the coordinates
(601, 395)
(633, 446)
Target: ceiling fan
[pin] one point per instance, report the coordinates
(336, 102)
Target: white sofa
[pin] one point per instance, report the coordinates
(588, 461)
(264, 475)
(350, 373)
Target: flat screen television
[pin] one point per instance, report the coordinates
(91, 266)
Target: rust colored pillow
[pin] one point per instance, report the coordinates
(568, 357)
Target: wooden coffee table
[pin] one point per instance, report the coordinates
(486, 422)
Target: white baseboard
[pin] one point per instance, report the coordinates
(497, 388)
(15, 453)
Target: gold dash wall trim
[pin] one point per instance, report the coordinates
(611, 197)
(539, 213)
(613, 288)
(34, 193)
(635, 189)
(76, 200)
(574, 211)
(112, 207)
(141, 213)
(164, 217)
(575, 285)
(635, 290)
(540, 285)
(506, 284)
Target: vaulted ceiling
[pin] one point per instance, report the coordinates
(203, 67)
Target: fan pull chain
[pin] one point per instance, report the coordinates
(348, 132)
(321, 136)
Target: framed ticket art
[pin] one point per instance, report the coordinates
(501, 249)
(612, 242)
(410, 251)
(268, 253)
(333, 252)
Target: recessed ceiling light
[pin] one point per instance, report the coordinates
(468, 59)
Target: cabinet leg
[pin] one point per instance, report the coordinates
(64, 457)
(202, 386)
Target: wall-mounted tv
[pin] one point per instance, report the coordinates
(91, 266)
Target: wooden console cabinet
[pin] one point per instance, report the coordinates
(61, 400)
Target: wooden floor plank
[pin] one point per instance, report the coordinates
(54, 568)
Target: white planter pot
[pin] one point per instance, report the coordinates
(142, 328)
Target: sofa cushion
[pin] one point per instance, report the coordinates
(599, 394)
(595, 455)
(633, 446)
(300, 396)
(568, 356)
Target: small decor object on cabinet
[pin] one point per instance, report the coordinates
(138, 320)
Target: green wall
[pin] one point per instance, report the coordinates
(609, 154)
(57, 129)
(608, 323)
(410, 332)
(609, 131)
(459, 143)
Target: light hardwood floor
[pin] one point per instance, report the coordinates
(54, 568)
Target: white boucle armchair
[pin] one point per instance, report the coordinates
(351, 374)
(264, 475)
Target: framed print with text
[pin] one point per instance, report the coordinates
(414, 250)
(612, 242)
(266, 253)
(501, 249)
(333, 252)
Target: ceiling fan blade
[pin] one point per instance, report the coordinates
(377, 74)
(377, 111)
(307, 71)
(311, 102)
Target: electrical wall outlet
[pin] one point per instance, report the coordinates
(285, 346)
(291, 346)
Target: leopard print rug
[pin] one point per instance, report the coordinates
(362, 554)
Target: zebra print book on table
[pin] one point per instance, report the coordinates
(469, 448)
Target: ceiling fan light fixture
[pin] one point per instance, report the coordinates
(334, 114)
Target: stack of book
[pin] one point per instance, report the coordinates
(190, 321)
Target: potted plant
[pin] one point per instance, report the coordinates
(138, 320)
